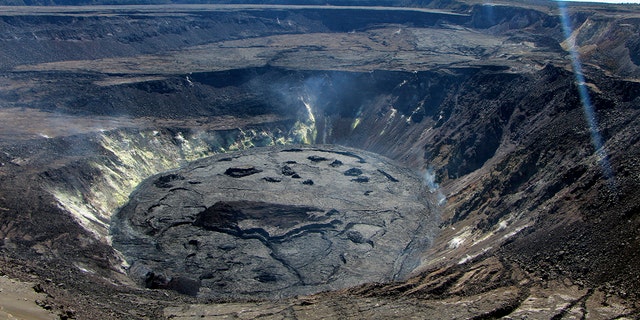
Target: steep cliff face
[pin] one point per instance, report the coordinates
(131, 31)
(49, 37)
(482, 104)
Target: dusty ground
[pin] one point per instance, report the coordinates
(19, 300)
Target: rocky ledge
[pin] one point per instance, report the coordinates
(273, 222)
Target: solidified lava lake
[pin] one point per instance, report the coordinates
(276, 221)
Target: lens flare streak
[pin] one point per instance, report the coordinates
(587, 106)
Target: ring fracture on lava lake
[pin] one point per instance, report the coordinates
(274, 222)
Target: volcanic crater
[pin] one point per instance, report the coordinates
(212, 161)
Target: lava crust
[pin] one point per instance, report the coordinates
(247, 228)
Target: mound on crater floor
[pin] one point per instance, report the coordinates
(272, 222)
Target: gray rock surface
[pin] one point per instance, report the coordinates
(203, 231)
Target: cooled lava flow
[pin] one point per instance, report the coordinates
(275, 222)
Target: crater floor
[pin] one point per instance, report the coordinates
(277, 221)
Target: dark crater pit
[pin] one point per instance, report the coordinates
(241, 172)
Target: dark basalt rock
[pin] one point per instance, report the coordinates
(241, 172)
(180, 284)
(336, 163)
(353, 172)
(315, 158)
(333, 212)
(164, 181)
(184, 285)
(219, 216)
(156, 281)
(356, 237)
(361, 179)
(267, 277)
(287, 171)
